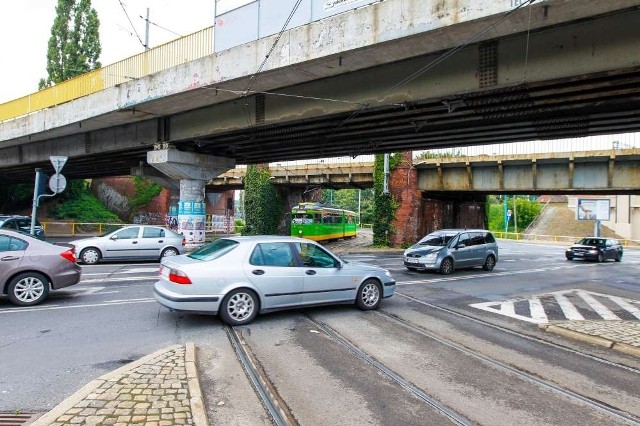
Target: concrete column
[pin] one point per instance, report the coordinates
(192, 211)
(193, 171)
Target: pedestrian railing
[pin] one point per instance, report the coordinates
(518, 236)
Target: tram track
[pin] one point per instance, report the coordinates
(281, 414)
(517, 333)
(603, 408)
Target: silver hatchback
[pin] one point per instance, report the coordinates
(239, 277)
(138, 242)
(449, 249)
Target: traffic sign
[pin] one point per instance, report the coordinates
(57, 183)
(58, 162)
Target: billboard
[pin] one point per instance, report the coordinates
(593, 209)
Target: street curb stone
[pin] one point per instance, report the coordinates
(158, 389)
(600, 333)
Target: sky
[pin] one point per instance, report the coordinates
(25, 28)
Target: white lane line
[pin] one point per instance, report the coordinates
(537, 311)
(90, 305)
(117, 280)
(124, 271)
(600, 309)
(568, 309)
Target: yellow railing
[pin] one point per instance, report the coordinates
(165, 56)
(568, 239)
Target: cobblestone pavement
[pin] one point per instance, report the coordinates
(157, 390)
(623, 336)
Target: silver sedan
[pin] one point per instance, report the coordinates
(138, 242)
(239, 277)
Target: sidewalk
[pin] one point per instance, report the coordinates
(159, 389)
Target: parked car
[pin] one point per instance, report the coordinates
(239, 277)
(595, 248)
(21, 224)
(449, 249)
(137, 242)
(30, 267)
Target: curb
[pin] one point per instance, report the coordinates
(196, 401)
(198, 412)
(591, 339)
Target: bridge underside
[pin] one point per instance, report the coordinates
(564, 81)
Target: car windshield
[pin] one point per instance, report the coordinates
(214, 250)
(437, 240)
(591, 242)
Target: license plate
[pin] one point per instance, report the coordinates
(412, 260)
(579, 254)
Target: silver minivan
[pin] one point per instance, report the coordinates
(449, 249)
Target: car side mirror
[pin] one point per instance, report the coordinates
(460, 245)
(113, 237)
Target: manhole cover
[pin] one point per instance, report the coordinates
(22, 419)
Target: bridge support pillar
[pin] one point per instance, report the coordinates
(193, 171)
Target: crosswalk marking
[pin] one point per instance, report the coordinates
(602, 310)
(568, 308)
(566, 300)
(537, 310)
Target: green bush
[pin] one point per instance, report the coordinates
(85, 208)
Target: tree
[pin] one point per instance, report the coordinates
(74, 45)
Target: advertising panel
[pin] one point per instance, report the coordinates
(593, 209)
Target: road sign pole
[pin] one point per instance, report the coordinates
(34, 210)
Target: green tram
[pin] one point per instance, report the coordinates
(319, 223)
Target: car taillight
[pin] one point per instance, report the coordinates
(184, 242)
(70, 255)
(178, 277)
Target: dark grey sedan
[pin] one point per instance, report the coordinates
(595, 248)
(29, 268)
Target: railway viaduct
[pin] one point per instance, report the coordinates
(388, 76)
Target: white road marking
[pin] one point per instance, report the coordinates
(116, 280)
(626, 305)
(600, 309)
(569, 310)
(89, 305)
(537, 310)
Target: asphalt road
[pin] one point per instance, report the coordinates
(49, 351)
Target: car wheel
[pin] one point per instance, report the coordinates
(239, 307)
(90, 256)
(411, 269)
(600, 258)
(27, 289)
(170, 251)
(369, 295)
(619, 257)
(446, 267)
(569, 258)
(489, 263)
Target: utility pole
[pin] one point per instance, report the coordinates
(146, 32)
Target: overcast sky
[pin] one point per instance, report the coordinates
(25, 27)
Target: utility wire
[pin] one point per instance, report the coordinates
(284, 27)
(131, 23)
(258, 92)
(160, 26)
(455, 49)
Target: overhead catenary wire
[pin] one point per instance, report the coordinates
(273, 46)
(159, 26)
(131, 23)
